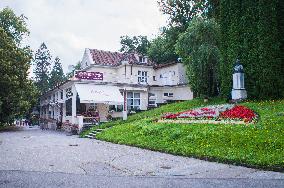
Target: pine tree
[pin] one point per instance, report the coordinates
(41, 71)
(56, 75)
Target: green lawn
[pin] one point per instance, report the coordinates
(260, 145)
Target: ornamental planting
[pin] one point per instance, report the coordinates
(226, 113)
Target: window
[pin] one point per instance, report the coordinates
(133, 101)
(69, 107)
(152, 99)
(69, 93)
(142, 76)
(154, 78)
(61, 95)
(152, 95)
(168, 94)
(142, 59)
(116, 108)
(152, 102)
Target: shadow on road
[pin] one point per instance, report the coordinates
(10, 129)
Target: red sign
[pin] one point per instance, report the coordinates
(89, 75)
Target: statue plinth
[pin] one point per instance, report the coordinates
(238, 94)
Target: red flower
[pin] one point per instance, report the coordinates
(239, 112)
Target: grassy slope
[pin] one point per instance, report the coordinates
(260, 145)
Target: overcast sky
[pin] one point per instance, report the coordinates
(69, 26)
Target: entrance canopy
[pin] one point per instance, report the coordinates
(90, 93)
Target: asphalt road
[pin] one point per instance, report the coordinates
(36, 158)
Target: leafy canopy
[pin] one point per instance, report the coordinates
(198, 48)
(162, 48)
(14, 26)
(181, 12)
(137, 44)
(17, 93)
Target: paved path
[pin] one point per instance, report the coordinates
(36, 158)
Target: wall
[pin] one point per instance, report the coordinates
(103, 111)
(171, 75)
(179, 93)
(119, 75)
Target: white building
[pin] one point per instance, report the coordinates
(114, 84)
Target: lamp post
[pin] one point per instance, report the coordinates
(238, 92)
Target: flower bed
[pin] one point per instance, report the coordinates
(226, 113)
(239, 113)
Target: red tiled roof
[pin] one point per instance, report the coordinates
(101, 57)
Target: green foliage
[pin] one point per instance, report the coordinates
(181, 12)
(280, 26)
(42, 62)
(137, 44)
(198, 48)
(251, 31)
(17, 93)
(162, 48)
(14, 26)
(258, 145)
(56, 74)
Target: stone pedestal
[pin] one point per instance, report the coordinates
(239, 94)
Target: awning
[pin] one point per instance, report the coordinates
(90, 93)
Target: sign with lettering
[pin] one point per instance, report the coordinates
(89, 75)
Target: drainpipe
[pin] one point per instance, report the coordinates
(124, 113)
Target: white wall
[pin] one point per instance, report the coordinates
(118, 74)
(171, 75)
(179, 93)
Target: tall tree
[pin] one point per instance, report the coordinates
(162, 48)
(42, 63)
(56, 75)
(14, 26)
(17, 92)
(137, 44)
(181, 12)
(198, 47)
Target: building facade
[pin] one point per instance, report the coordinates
(112, 85)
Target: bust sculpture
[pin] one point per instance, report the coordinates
(238, 67)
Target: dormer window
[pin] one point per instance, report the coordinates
(142, 59)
